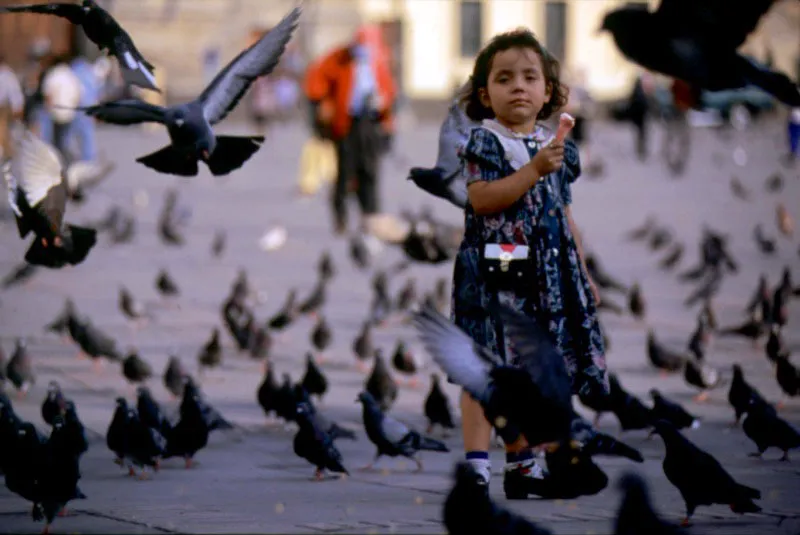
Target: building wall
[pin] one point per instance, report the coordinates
(174, 34)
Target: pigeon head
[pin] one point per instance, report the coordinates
(668, 432)
(303, 408)
(655, 394)
(143, 392)
(58, 422)
(122, 403)
(737, 372)
(52, 388)
(27, 433)
(620, 20)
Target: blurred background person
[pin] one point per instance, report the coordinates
(581, 106)
(12, 104)
(637, 110)
(61, 94)
(83, 126)
(352, 92)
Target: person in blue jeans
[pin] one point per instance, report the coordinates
(83, 126)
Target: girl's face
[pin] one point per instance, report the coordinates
(516, 88)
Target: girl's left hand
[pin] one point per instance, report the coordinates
(595, 292)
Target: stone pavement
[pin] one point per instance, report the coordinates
(248, 480)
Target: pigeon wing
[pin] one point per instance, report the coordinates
(127, 111)
(538, 356)
(457, 354)
(72, 12)
(730, 21)
(38, 173)
(228, 87)
(13, 194)
(394, 430)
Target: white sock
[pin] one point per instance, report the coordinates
(482, 467)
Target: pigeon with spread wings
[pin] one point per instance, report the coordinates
(506, 393)
(37, 194)
(101, 28)
(189, 125)
(696, 41)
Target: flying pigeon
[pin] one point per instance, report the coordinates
(37, 194)
(697, 42)
(189, 125)
(101, 28)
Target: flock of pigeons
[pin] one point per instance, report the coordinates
(46, 470)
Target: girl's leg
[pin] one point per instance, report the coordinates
(477, 433)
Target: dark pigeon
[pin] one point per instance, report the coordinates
(697, 42)
(101, 29)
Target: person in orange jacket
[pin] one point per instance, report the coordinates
(352, 92)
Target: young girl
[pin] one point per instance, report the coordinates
(521, 247)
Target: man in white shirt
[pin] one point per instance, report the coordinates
(61, 90)
(12, 102)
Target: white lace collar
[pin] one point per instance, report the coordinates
(514, 143)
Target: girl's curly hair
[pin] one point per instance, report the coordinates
(520, 38)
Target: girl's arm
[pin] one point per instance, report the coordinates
(496, 196)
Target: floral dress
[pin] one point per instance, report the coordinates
(563, 301)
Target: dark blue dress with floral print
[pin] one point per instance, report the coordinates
(563, 301)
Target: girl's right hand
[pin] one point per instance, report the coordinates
(548, 159)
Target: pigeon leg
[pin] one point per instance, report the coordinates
(361, 366)
(143, 475)
(321, 358)
(429, 429)
(189, 462)
(370, 466)
(157, 465)
(319, 475)
(785, 457)
(701, 397)
(781, 405)
(118, 461)
(663, 373)
(97, 364)
(413, 383)
(63, 512)
(131, 471)
(419, 465)
(46, 530)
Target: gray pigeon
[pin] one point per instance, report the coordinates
(445, 179)
(391, 436)
(189, 125)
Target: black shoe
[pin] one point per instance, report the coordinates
(481, 482)
(525, 479)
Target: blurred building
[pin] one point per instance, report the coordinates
(434, 41)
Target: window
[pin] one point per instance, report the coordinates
(471, 18)
(556, 29)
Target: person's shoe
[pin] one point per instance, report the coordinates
(482, 484)
(523, 479)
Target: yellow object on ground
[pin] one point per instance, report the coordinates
(317, 165)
